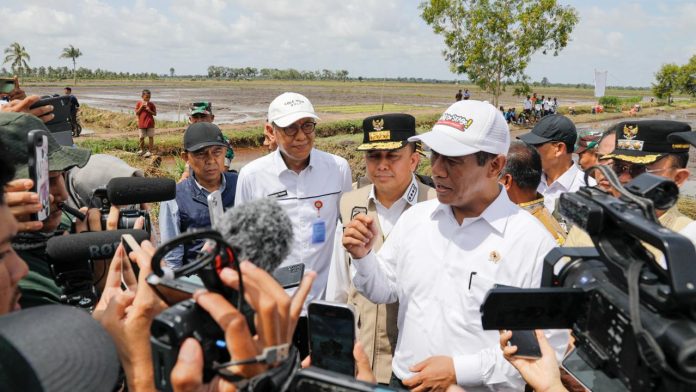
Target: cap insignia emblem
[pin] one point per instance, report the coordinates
(378, 124)
(630, 131)
(379, 135)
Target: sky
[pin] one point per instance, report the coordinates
(370, 38)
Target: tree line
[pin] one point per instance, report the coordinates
(222, 72)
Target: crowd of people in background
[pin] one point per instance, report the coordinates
(414, 255)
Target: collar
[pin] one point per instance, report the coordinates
(566, 179)
(533, 203)
(202, 188)
(496, 214)
(280, 166)
(410, 194)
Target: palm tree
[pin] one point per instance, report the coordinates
(71, 52)
(17, 56)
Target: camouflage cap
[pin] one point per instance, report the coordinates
(202, 107)
(14, 131)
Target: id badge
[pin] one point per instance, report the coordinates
(318, 231)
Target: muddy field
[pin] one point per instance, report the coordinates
(243, 101)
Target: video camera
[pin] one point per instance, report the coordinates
(131, 192)
(632, 313)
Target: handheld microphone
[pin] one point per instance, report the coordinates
(135, 190)
(89, 245)
(259, 231)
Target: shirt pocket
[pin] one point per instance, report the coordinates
(475, 293)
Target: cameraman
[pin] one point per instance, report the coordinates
(643, 147)
(39, 287)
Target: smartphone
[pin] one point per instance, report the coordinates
(527, 344)
(332, 336)
(127, 283)
(6, 85)
(290, 276)
(215, 208)
(37, 143)
(590, 378)
(61, 113)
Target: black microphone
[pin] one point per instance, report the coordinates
(135, 190)
(89, 245)
(259, 231)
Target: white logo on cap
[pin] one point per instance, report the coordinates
(455, 121)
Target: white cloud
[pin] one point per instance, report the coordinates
(366, 37)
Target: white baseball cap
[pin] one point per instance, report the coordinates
(287, 108)
(467, 127)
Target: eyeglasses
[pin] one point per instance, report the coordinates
(633, 170)
(292, 130)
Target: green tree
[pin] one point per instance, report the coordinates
(492, 41)
(667, 81)
(72, 53)
(545, 82)
(17, 56)
(687, 77)
(171, 72)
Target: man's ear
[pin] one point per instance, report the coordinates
(497, 166)
(506, 180)
(680, 176)
(268, 131)
(184, 156)
(415, 160)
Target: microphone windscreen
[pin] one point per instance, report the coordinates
(259, 231)
(89, 245)
(123, 191)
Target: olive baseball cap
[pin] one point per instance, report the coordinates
(14, 131)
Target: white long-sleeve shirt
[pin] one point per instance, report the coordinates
(321, 183)
(570, 181)
(440, 272)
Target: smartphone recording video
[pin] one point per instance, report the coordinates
(37, 143)
(332, 336)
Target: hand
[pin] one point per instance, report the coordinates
(363, 369)
(434, 374)
(127, 316)
(23, 203)
(276, 317)
(359, 236)
(542, 374)
(45, 113)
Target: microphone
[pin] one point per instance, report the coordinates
(259, 231)
(89, 245)
(135, 190)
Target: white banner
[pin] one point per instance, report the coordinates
(600, 83)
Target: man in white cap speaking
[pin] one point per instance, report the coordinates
(308, 183)
(443, 255)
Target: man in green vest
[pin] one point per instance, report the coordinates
(391, 162)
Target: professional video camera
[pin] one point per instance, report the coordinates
(131, 192)
(632, 313)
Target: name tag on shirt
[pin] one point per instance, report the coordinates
(279, 194)
(318, 231)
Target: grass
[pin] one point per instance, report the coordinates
(105, 120)
(373, 108)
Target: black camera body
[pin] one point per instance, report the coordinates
(127, 217)
(177, 323)
(634, 321)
